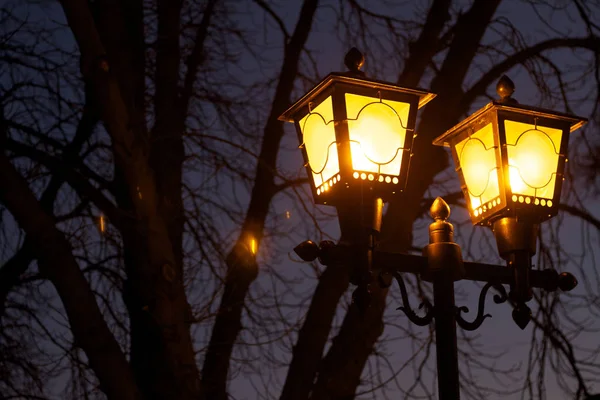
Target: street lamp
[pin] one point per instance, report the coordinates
(510, 159)
(356, 134)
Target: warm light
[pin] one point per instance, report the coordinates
(516, 183)
(318, 133)
(253, 246)
(377, 133)
(477, 159)
(353, 133)
(510, 158)
(532, 158)
(102, 223)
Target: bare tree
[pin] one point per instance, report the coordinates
(143, 175)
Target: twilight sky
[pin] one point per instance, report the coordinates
(499, 336)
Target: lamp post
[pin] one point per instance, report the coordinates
(356, 136)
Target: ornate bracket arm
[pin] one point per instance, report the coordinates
(476, 323)
(406, 308)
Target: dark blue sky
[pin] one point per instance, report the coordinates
(499, 335)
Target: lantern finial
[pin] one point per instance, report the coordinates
(354, 61)
(440, 211)
(505, 88)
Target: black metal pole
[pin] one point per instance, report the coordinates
(362, 274)
(445, 337)
(444, 266)
(373, 235)
(374, 231)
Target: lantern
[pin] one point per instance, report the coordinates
(511, 158)
(356, 133)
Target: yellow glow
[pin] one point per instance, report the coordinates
(319, 140)
(532, 158)
(477, 159)
(102, 223)
(253, 245)
(377, 133)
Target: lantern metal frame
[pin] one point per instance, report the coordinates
(337, 85)
(497, 113)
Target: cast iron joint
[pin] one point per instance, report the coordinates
(516, 240)
(442, 262)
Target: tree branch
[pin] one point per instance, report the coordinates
(12, 270)
(491, 76)
(57, 263)
(130, 153)
(167, 61)
(18, 264)
(425, 47)
(262, 4)
(580, 213)
(196, 57)
(241, 263)
(77, 181)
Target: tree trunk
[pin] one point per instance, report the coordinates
(162, 351)
(241, 263)
(313, 335)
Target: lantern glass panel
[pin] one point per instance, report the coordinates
(477, 159)
(318, 133)
(377, 132)
(532, 158)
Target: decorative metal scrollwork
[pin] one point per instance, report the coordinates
(406, 308)
(499, 298)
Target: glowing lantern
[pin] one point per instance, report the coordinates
(356, 133)
(510, 158)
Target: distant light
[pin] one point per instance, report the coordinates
(253, 246)
(288, 215)
(102, 223)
